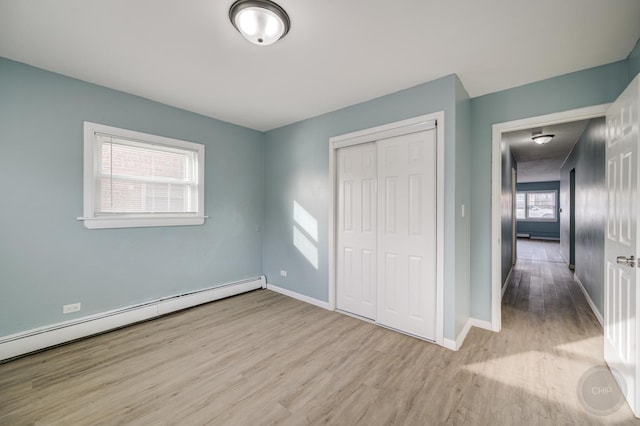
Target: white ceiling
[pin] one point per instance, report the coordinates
(338, 52)
(541, 163)
(539, 171)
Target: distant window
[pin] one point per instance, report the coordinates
(521, 205)
(537, 206)
(134, 179)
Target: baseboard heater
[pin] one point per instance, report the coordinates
(43, 337)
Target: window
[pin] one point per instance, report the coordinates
(536, 206)
(134, 179)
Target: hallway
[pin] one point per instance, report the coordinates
(542, 288)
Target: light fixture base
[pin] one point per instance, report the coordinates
(262, 22)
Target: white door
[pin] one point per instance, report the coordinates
(621, 242)
(357, 228)
(407, 233)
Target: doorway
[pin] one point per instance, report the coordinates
(496, 202)
(514, 221)
(572, 219)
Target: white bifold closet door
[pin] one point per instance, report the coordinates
(407, 233)
(386, 268)
(357, 230)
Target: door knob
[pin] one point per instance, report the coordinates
(623, 260)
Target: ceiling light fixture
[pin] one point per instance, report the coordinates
(541, 139)
(262, 22)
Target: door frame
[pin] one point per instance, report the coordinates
(496, 188)
(514, 222)
(572, 219)
(397, 128)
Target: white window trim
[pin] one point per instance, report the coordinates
(555, 217)
(91, 221)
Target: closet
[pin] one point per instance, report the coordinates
(385, 230)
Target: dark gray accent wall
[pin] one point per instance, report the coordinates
(48, 258)
(506, 216)
(588, 158)
(541, 229)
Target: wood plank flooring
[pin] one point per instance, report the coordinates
(541, 250)
(263, 358)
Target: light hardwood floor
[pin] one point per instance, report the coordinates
(263, 358)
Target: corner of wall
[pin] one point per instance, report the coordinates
(462, 206)
(633, 62)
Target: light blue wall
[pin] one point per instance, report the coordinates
(580, 89)
(48, 258)
(633, 62)
(297, 169)
(541, 228)
(588, 158)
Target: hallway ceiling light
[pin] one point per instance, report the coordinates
(262, 22)
(541, 139)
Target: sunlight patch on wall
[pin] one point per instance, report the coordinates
(305, 246)
(305, 232)
(305, 221)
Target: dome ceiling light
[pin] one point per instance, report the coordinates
(541, 139)
(262, 22)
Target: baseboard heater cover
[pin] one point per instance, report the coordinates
(43, 337)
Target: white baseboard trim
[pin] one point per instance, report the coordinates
(589, 300)
(505, 284)
(43, 337)
(485, 325)
(449, 344)
(454, 345)
(301, 297)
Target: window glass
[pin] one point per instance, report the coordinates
(520, 205)
(537, 206)
(134, 179)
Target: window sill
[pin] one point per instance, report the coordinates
(140, 222)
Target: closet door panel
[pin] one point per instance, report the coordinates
(357, 227)
(406, 237)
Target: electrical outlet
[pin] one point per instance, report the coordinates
(74, 307)
(283, 272)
